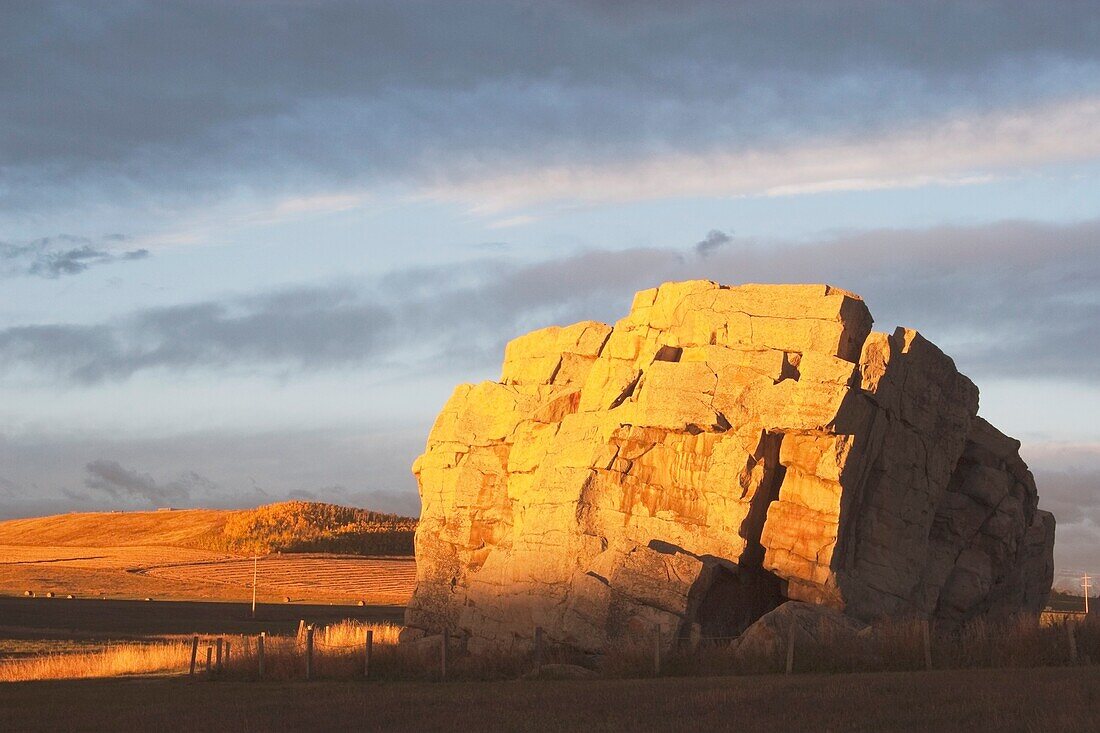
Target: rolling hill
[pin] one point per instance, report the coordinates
(294, 526)
(309, 552)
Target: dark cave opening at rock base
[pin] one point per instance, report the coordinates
(736, 598)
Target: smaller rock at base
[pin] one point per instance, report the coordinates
(425, 644)
(767, 638)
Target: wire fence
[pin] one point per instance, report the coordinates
(348, 649)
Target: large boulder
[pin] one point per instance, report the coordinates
(718, 452)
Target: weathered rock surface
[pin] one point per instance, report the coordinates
(806, 623)
(718, 452)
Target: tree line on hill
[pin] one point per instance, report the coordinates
(301, 526)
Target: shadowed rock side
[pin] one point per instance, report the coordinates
(718, 452)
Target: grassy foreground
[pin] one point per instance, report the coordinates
(950, 700)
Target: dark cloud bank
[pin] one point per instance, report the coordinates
(165, 98)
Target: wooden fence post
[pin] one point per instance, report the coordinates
(209, 649)
(301, 635)
(367, 652)
(443, 654)
(227, 652)
(657, 651)
(926, 641)
(538, 651)
(218, 654)
(1072, 642)
(309, 651)
(194, 652)
(260, 651)
(790, 649)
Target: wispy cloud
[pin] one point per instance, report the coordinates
(51, 474)
(110, 478)
(956, 151)
(64, 254)
(512, 221)
(1019, 299)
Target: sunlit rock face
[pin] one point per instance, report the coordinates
(719, 451)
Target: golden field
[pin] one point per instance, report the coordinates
(202, 554)
(122, 664)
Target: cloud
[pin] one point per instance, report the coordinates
(110, 478)
(308, 327)
(64, 254)
(1005, 299)
(1074, 497)
(113, 106)
(357, 467)
(954, 151)
(715, 240)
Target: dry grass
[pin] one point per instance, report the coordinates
(373, 580)
(352, 634)
(339, 653)
(893, 647)
(897, 646)
(114, 661)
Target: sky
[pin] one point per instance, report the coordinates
(248, 249)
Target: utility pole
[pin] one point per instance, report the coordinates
(255, 570)
(1085, 585)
